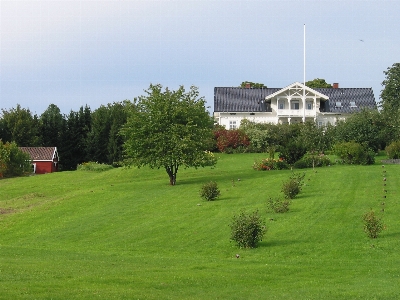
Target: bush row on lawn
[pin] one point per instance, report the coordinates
(94, 166)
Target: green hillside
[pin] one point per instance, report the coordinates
(127, 234)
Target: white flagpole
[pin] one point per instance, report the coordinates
(304, 76)
(304, 68)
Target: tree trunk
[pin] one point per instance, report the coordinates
(171, 171)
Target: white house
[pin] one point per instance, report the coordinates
(292, 104)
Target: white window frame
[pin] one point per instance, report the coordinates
(232, 125)
(309, 105)
(281, 104)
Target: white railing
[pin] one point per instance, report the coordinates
(296, 112)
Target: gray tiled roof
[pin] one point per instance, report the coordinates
(235, 99)
(238, 99)
(362, 98)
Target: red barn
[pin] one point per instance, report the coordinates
(44, 159)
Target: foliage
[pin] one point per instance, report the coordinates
(292, 187)
(318, 83)
(278, 205)
(51, 126)
(372, 224)
(94, 166)
(292, 151)
(247, 229)
(354, 153)
(210, 191)
(268, 164)
(168, 129)
(13, 162)
(104, 144)
(230, 140)
(18, 125)
(393, 150)
(74, 149)
(209, 159)
(311, 160)
(365, 126)
(390, 102)
(313, 137)
(252, 84)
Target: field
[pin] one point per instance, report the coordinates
(127, 234)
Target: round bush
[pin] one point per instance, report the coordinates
(209, 191)
(247, 229)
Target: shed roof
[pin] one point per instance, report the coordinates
(41, 153)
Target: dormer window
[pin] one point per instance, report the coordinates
(353, 104)
(338, 104)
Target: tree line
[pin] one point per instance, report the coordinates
(79, 136)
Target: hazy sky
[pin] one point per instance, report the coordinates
(72, 53)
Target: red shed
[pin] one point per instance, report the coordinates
(44, 159)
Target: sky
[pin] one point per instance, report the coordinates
(77, 53)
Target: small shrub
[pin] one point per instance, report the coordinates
(270, 164)
(209, 159)
(94, 166)
(372, 224)
(292, 187)
(393, 150)
(247, 229)
(278, 205)
(209, 191)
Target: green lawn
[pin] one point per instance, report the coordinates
(127, 234)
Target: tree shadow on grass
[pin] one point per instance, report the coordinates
(277, 243)
(390, 235)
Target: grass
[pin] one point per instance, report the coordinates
(127, 234)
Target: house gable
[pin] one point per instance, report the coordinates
(297, 90)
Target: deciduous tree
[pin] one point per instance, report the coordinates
(391, 101)
(168, 129)
(252, 84)
(318, 83)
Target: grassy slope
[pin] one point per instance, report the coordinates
(126, 233)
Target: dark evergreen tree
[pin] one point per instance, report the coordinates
(51, 126)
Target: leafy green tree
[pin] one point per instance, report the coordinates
(18, 125)
(365, 126)
(13, 162)
(253, 84)
(318, 83)
(390, 103)
(168, 129)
